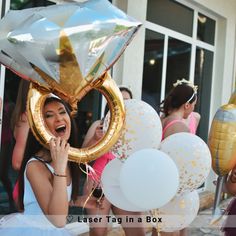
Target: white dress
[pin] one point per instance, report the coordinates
(32, 222)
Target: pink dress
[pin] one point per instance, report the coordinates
(192, 125)
(99, 165)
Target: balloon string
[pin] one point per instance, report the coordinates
(214, 221)
(154, 213)
(90, 172)
(87, 199)
(158, 230)
(95, 178)
(85, 172)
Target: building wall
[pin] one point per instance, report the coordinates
(129, 69)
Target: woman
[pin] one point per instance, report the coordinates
(20, 127)
(6, 149)
(94, 134)
(176, 108)
(47, 181)
(20, 124)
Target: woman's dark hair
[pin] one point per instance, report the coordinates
(178, 96)
(33, 146)
(122, 88)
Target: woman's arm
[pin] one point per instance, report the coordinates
(88, 202)
(51, 193)
(21, 131)
(94, 134)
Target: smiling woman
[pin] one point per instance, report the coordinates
(47, 180)
(57, 119)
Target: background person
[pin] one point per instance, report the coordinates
(94, 134)
(176, 108)
(6, 149)
(20, 127)
(19, 124)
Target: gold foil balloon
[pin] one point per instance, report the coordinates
(232, 99)
(222, 139)
(67, 50)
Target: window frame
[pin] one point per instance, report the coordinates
(195, 43)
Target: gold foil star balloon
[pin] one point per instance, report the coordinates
(67, 50)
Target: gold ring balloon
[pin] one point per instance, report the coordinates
(67, 50)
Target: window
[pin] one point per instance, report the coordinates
(206, 29)
(171, 14)
(178, 62)
(203, 79)
(152, 70)
(179, 43)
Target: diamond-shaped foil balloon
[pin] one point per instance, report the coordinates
(67, 49)
(63, 47)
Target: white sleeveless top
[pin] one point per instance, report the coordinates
(30, 202)
(32, 221)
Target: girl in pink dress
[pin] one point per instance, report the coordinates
(94, 134)
(177, 109)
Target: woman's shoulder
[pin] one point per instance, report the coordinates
(36, 164)
(173, 125)
(170, 120)
(37, 169)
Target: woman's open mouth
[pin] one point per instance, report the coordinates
(61, 130)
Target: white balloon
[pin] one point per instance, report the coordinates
(149, 178)
(142, 129)
(192, 157)
(111, 187)
(179, 212)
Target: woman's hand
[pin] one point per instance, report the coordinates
(59, 153)
(88, 202)
(98, 134)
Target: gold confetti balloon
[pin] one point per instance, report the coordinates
(140, 119)
(192, 157)
(222, 139)
(178, 213)
(67, 50)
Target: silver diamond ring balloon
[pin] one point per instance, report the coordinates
(67, 49)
